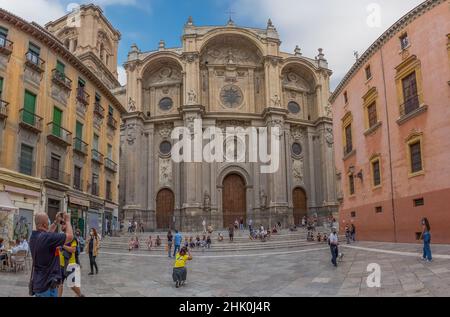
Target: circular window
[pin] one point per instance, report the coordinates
(294, 107)
(165, 148)
(297, 149)
(231, 96)
(166, 104)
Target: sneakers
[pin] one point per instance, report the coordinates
(177, 284)
(182, 283)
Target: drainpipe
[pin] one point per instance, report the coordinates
(389, 146)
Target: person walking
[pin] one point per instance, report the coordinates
(353, 232)
(426, 236)
(44, 245)
(178, 240)
(231, 232)
(92, 246)
(179, 274)
(169, 243)
(347, 234)
(241, 223)
(333, 241)
(250, 225)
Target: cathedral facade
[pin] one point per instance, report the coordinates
(225, 76)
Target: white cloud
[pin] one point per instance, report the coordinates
(122, 75)
(40, 11)
(339, 27)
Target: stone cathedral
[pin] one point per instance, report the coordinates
(226, 76)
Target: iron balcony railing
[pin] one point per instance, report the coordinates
(58, 134)
(82, 96)
(97, 156)
(80, 146)
(34, 61)
(61, 79)
(6, 46)
(112, 122)
(111, 165)
(99, 110)
(3, 109)
(30, 121)
(57, 175)
(412, 103)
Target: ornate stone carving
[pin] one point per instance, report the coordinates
(190, 57)
(206, 200)
(328, 110)
(298, 170)
(276, 101)
(59, 94)
(165, 171)
(131, 105)
(232, 123)
(32, 76)
(131, 133)
(192, 97)
(329, 137)
(297, 134)
(165, 130)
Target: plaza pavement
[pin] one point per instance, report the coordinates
(303, 272)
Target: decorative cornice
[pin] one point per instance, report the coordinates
(386, 36)
(54, 44)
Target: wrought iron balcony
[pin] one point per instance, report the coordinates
(112, 123)
(59, 135)
(80, 147)
(97, 157)
(3, 109)
(82, 96)
(6, 46)
(99, 110)
(34, 61)
(30, 121)
(110, 165)
(56, 175)
(411, 104)
(61, 79)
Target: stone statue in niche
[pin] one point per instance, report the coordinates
(276, 101)
(297, 170)
(329, 137)
(263, 199)
(192, 97)
(206, 200)
(131, 105)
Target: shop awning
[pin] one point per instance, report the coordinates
(6, 203)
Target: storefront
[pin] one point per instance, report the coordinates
(111, 219)
(7, 213)
(78, 209)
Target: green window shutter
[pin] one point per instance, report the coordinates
(79, 130)
(35, 49)
(1, 87)
(3, 32)
(81, 82)
(111, 111)
(57, 118)
(60, 67)
(26, 160)
(29, 108)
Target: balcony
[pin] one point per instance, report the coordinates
(82, 96)
(411, 104)
(59, 135)
(61, 79)
(110, 165)
(6, 46)
(80, 147)
(99, 110)
(30, 121)
(78, 184)
(56, 175)
(3, 109)
(97, 157)
(33, 61)
(112, 123)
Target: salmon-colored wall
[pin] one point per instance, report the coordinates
(429, 42)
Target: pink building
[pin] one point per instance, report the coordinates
(392, 131)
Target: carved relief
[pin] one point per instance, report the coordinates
(32, 77)
(131, 133)
(165, 130)
(192, 97)
(329, 137)
(276, 101)
(298, 170)
(165, 171)
(297, 133)
(131, 105)
(59, 94)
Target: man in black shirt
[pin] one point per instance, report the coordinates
(44, 246)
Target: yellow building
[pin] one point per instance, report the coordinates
(59, 131)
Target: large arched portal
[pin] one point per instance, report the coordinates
(165, 203)
(300, 205)
(234, 199)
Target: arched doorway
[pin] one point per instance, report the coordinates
(234, 199)
(165, 204)
(300, 205)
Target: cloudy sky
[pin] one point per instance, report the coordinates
(340, 27)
